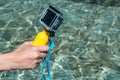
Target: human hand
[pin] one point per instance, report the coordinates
(28, 56)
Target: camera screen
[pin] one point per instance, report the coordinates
(48, 17)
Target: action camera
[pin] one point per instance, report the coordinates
(51, 19)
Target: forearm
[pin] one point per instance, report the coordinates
(7, 61)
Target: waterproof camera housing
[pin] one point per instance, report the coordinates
(51, 19)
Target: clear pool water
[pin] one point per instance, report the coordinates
(87, 43)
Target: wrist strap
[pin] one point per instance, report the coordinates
(46, 62)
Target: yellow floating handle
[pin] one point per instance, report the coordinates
(41, 39)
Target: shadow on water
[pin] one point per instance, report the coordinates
(115, 3)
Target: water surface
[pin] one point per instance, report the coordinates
(87, 44)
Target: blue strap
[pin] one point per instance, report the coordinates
(46, 62)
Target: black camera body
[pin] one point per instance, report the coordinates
(51, 19)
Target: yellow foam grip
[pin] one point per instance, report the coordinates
(41, 39)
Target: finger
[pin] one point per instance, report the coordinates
(38, 61)
(42, 55)
(42, 48)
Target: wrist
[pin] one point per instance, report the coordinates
(12, 60)
(7, 61)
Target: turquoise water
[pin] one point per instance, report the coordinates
(87, 43)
